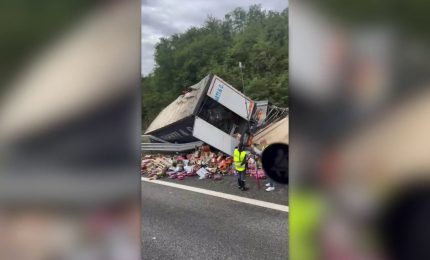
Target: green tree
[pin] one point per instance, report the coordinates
(257, 38)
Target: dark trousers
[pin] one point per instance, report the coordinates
(241, 175)
(241, 178)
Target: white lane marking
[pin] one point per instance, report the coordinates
(222, 195)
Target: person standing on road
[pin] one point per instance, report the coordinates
(240, 166)
(270, 184)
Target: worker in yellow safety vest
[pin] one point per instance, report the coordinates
(240, 166)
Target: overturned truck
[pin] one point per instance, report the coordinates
(211, 111)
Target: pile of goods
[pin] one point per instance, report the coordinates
(202, 163)
(255, 169)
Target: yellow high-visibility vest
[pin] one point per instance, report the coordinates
(238, 158)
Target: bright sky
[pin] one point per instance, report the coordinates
(162, 18)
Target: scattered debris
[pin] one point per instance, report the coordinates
(214, 112)
(203, 163)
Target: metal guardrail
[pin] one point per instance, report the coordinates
(169, 147)
(274, 114)
(153, 138)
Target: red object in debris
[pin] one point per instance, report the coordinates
(206, 148)
(181, 177)
(259, 174)
(222, 165)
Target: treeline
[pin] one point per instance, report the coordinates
(255, 37)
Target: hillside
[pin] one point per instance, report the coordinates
(255, 37)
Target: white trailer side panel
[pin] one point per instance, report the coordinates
(213, 136)
(230, 97)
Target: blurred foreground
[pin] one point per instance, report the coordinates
(359, 130)
(69, 130)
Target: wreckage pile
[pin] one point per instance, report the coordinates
(202, 163)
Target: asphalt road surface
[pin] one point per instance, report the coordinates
(181, 224)
(228, 184)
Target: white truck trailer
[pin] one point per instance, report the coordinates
(211, 111)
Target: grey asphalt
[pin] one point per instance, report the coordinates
(180, 224)
(228, 184)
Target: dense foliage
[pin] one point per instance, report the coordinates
(255, 37)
